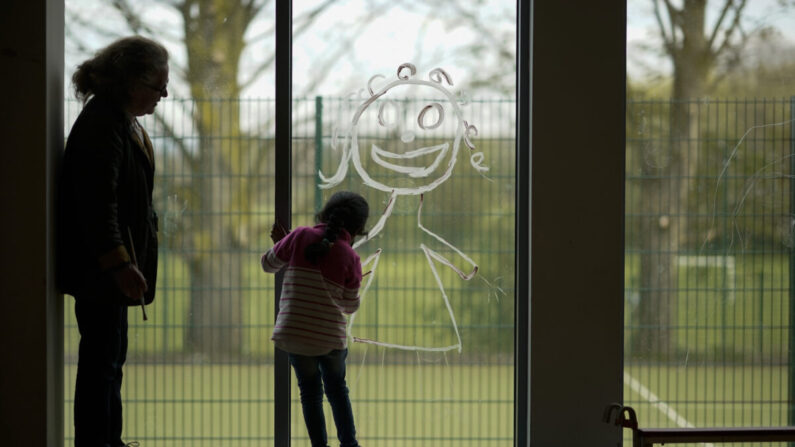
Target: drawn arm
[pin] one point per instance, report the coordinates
(369, 264)
(442, 259)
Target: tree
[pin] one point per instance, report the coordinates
(696, 50)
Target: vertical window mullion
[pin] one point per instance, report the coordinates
(283, 207)
(522, 225)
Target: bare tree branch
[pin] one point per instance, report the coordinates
(253, 11)
(321, 69)
(675, 17)
(727, 35)
(132, 18)
(305, 21)
(668, 41)
(137, 25)
(474, 22)
(76, 19)
(180, 143)
(721, 17)
(253, 7)
(267, 33)
(261, 68)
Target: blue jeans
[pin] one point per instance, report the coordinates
(314, 373)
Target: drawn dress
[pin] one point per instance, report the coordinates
(417, 318)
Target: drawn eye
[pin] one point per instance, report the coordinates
(423, 113)
(387, 114)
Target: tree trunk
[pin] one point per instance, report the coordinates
(216, 266)
(652, 337)
(214, 39)
(665, 191)
(216, 306)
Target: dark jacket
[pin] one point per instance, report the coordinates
(104, 199)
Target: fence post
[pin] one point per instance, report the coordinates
(318, 148)
(791, 386)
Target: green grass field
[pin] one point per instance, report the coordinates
(707, 396)
(726, 369)
(738, 314)
(710, 396)
(395, 405)
(418, 405)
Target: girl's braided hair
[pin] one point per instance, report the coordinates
(344, 210)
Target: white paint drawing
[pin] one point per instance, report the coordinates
(425, 178)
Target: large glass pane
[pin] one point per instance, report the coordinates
(199, 371)
(431, 347)
(709, 214)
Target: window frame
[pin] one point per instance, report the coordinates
(564, 399)
(536, 23)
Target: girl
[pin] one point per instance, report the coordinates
(321, 285)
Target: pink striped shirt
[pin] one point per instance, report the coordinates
(315, 298)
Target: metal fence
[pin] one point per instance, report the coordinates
(200, 370)
(708, 326)
(709, 266)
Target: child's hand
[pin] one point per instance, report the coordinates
(278, 232)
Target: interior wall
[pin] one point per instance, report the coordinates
(577, 207)
(31, 315)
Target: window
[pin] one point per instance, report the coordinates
(708, 300)
(432, 353)
(200, 370)
(412, 120)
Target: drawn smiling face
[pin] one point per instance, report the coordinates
(410, 160)
(381, 157)
(423, 156)
(406, 157)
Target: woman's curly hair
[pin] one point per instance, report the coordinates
(114, 69)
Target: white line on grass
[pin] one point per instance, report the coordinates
(656, 402)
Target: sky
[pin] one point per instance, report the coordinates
(401, 35)
(383, 44)
(642, 31)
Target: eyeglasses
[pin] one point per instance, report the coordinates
(162, 90)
